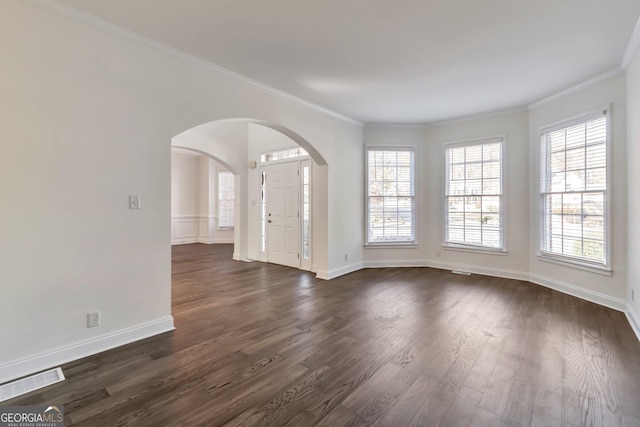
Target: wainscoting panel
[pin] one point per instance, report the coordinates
(184, 230)
(198, 229)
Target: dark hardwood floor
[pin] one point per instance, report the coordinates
(260, 344)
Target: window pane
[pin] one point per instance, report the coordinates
(597, 179)
(491, 237)
(473, 153)
(491, 205)
(456, 187)
(457, 155)
(474, 170)
(558, 161)
(491, 186)
(474, 186)
(457, 172)
(226, 195)
(283, 154)
(573, 168)
(575, 158)
(391, 192)
(492, 152)
(491, 170)
(472, 204)
(597, 156)
(557, 141)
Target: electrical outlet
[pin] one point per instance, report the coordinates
(438, 252)
(93, 319)
(346, 257)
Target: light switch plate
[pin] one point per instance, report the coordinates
(134, 202)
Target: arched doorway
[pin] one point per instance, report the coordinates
(232, 143)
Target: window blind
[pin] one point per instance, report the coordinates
(573, 190)
(474, 194)
(390, 195)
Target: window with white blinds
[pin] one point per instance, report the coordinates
(226, 194)
(390, 195)
(573, 190)
(474, 194)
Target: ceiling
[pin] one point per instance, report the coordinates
(408, 61)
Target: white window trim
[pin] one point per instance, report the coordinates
(578, 263)
(394, 244)
(503, 205)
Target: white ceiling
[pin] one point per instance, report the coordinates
(407, 61)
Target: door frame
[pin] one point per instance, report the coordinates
(263, 236)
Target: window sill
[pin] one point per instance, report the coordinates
(486, 251)
(226, 228)
(394, 245)
(567, 262)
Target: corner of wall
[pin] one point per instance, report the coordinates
(634, 319)
(337, 272)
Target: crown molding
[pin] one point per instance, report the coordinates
(480, 116)
(107, 27)
(425, 125)
(382, 125)
(580, 86)
(632, 47)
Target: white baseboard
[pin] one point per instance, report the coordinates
(475, 269)
(184, 242)
(206, 241)
(433, 263)
(223, 241)
(30, 365)
(576, 291)
(337, 272)
(395, 263)
(213, 241)
(634, 319)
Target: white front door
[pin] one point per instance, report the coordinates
(283, 216)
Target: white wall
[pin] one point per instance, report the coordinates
(86, 120)
(185, 198)
(345, 202)
(185, 185)
(633, 160)
(429, 141)
(610, 290)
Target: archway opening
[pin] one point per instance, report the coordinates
(236, 144)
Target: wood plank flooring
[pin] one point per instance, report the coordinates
(259, 344)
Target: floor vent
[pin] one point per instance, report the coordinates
(464, 273)
(29, 384)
